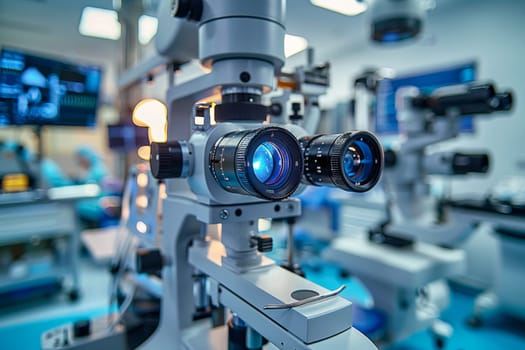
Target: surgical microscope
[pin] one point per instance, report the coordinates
(402, 262)
(225, 168)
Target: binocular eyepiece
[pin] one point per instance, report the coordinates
(271, 163)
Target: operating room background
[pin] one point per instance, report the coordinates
(490, 32)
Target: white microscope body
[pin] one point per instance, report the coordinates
(210, 220)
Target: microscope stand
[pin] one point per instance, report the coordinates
(244, 285)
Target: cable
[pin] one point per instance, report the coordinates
(121, 264)
(123, 248)
(123, 308)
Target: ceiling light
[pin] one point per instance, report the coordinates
(294, 44)
(99, 23)
(147, 28)
(345, 7)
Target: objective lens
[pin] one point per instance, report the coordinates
(351, 161)
(265, 163)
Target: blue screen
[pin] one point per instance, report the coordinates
(40, 91)
(427, 82)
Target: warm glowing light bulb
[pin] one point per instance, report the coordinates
(153, 114)
(144, 152)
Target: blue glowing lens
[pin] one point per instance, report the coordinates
(358, 161)
(267, 163)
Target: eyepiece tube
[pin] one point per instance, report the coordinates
(455, 163)
(352, 161)
(476, 98)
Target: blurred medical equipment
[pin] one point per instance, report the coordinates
(135, 294)
(504, 210)
(40, 256)
(396, 262)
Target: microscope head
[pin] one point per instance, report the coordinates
(234, 162)
(232, 155)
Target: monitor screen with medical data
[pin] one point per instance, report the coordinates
(35, 90)
(427, 81)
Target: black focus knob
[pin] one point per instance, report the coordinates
(81, 328)
(264, 243)
(167, 160)
(149, 261)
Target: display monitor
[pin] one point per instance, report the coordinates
(126, 138)
(36, 90)
(385, 112)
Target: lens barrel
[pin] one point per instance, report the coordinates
(456, 163)
(351, 161)
(265, 163)
(465, 99)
